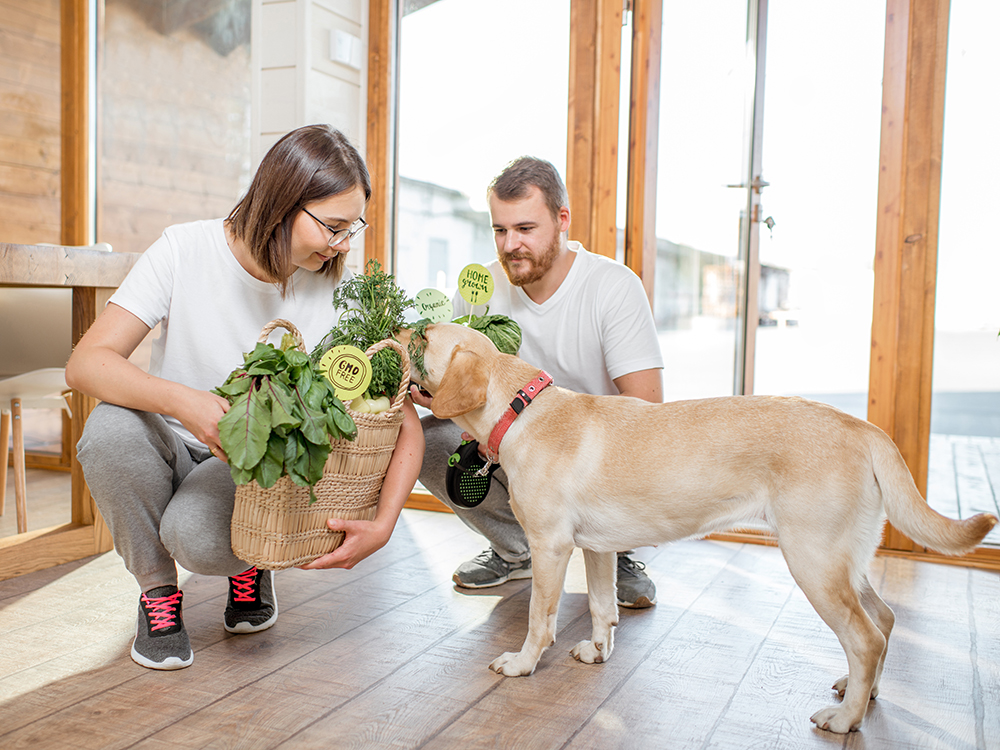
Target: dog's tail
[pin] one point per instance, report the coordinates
(911, 514)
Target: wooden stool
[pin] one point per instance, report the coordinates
(38, 389)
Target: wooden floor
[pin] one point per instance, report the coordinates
(963, 477)
(391, 655)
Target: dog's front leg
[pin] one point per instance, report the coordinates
(548, 570)
(601, 572)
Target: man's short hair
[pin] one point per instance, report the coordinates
(525, 172)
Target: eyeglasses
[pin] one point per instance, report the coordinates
(339, 235)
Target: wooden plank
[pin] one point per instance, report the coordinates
(932, 635)
(906, 230)
(985, 630)
(38, 153)
(37, 550)
(77, 226)
(592, 143)
(581, 135)
(991, 462)
(942, 490)
(974, 491)
(422, 500)
(644, 126)
(47, 10)
(379, 147)
(32, 103)
(59, 266)
(29, 181)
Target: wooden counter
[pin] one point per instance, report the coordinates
(92, 275)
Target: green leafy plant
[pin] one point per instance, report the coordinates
(504, 332)
(282, 416)
(375, 309)
(501, 330)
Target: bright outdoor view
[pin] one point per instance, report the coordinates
(819, 154)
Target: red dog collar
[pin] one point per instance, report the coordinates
(521, 400)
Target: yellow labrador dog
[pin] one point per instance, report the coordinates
(608, 473)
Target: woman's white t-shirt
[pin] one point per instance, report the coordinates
(211, 309)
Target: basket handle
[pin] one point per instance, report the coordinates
(281, 323)
(404, 383)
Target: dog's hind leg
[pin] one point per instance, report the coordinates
(827, 584)
(601, 570)
(884, 619)
(548, 565)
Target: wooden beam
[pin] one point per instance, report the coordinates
(57, 266)
(643, 141)
(592, 148)
(380, 147)
(75, 67)
(907, 231)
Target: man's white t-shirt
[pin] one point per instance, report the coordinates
(211, 309)
(595, 328)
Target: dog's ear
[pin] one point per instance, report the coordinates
(463, 387)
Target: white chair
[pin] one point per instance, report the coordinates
(38, 389)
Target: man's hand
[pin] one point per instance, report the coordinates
(420, 397)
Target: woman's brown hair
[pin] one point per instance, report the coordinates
(308, 164)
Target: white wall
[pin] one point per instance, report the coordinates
(298, 79)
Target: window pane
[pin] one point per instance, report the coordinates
(964, 466)
(702, 149)
(821, 158)
(479, 85)
(174, 129)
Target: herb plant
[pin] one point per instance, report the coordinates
(375, 309)
(282, 415)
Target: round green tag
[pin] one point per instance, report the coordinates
(434, 305)
(348, 369)
(475, 284)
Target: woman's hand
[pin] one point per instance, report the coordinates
(361, 538)
(199, 412)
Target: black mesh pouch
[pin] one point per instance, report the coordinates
(465, 488)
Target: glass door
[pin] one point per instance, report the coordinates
(765, 220)
(964, 461)
(704, 196)
(470, 102)
(820, 152)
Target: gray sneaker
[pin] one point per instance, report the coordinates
(489, 569)
(161, 642)
(251, 606)
(635, 590)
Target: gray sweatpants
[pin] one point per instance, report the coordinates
(163, 500)
(493, 517)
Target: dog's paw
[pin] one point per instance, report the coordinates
(841, 687)
(513, 664)
(590, 653)
(835, 719)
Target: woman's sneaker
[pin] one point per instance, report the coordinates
(161, 642)
(252, 606)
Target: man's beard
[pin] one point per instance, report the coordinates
(535, 269)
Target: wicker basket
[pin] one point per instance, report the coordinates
(278, 528)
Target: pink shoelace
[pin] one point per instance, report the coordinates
(244, 586)
(162, 609)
